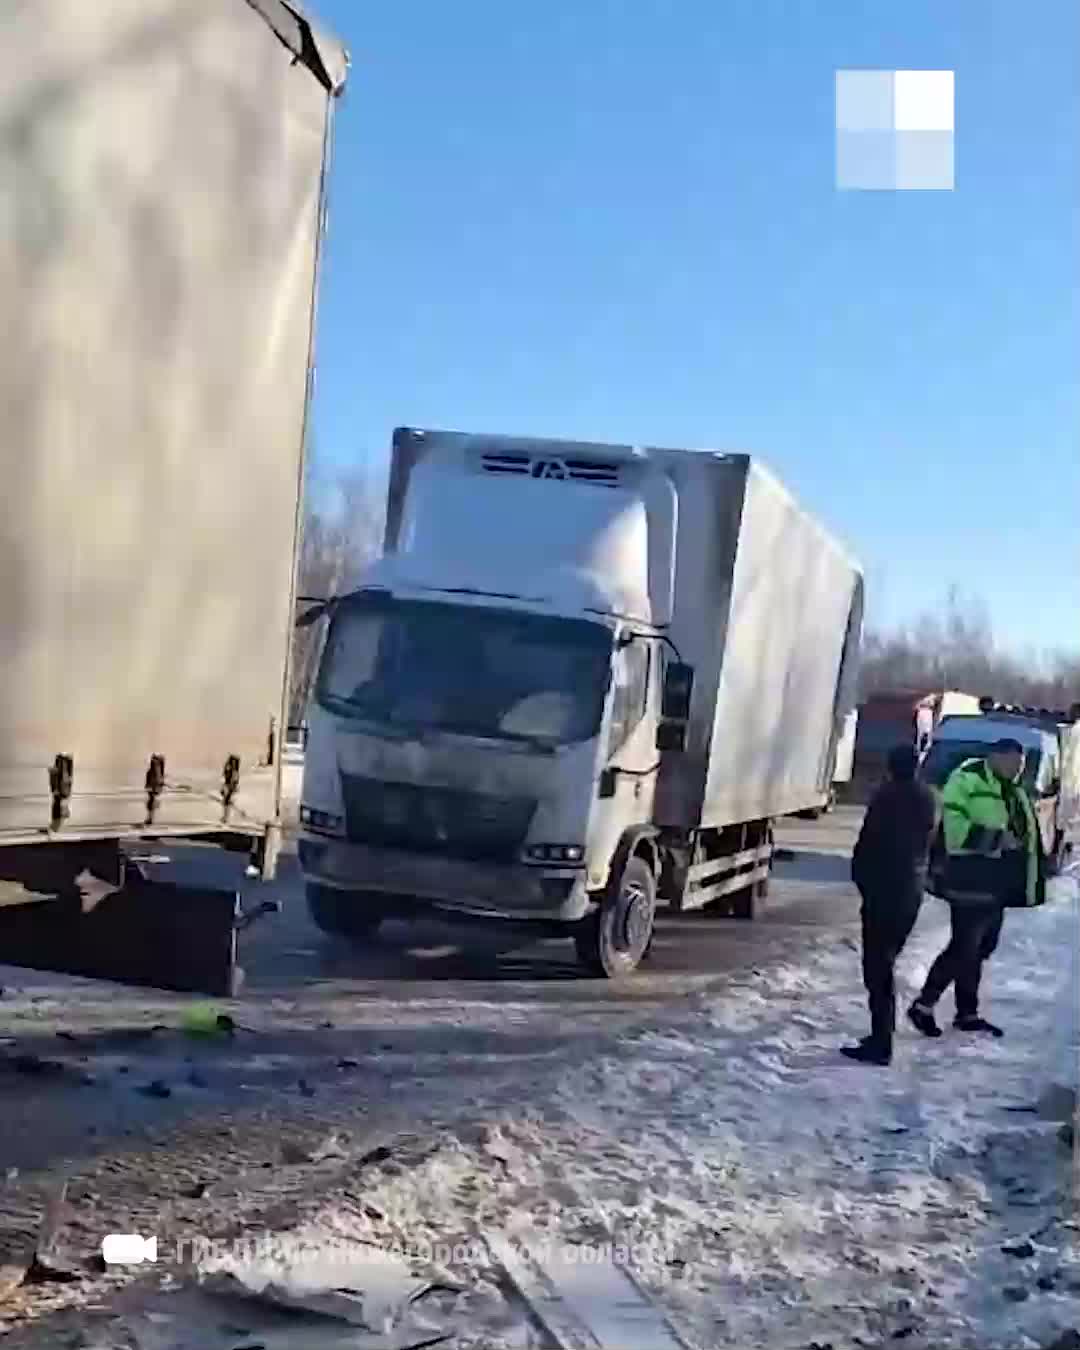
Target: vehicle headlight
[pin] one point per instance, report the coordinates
(555, 853)
(324, 822)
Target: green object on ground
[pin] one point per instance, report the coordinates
(204, 1020)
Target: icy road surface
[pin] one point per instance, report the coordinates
(766, 1192)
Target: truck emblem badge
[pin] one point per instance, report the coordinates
(549, 468)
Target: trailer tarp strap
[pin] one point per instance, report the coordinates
(326, 60)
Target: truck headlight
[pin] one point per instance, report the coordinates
(555, 853)
(323, 822)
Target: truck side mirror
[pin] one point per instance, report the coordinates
(320, 609)
(671, 736)
(678, 687)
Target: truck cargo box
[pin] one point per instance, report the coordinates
(161, 191)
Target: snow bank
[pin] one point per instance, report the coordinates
(769, 1193)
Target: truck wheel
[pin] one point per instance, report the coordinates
(352, 914)
(614, 940)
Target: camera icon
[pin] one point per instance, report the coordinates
(128, 1249)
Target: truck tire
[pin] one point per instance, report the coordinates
(614, 940)
(351, 914)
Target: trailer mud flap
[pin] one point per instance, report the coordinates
(151, 934)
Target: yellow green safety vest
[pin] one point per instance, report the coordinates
(975, 817)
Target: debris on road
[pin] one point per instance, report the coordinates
(294, 1154)
(205, 1021)
(1057, 1103)
(157, 1089)
(34, 1066)
(41, 1262)
(371, 1291)
(582, 1302)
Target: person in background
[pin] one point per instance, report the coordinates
(889, 868)
(994, 860)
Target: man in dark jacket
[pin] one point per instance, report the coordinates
(889, 868)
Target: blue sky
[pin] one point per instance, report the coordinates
(617, 220)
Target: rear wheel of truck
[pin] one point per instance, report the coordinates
(616, 938)
(351, 914)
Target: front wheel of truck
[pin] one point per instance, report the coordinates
(351, 914)
(615, 938)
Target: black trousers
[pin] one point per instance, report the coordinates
(976, 930)
(889, 913)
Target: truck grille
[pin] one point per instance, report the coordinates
(598, 472)
(467, 825)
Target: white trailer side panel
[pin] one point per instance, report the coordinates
(777, 714)
(160, 199)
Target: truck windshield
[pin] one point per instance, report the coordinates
(945, 756)
(466, 669)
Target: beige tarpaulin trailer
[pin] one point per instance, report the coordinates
(162, 190)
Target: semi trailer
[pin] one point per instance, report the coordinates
(162, 187)
(581, 683)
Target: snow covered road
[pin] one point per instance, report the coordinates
(791, 1198)
(765, 1191)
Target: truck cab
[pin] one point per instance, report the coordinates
(484, 726)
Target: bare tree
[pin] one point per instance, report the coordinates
(955, 649)
(342, 533)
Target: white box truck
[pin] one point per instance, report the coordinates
(581, 682)
(162, 197)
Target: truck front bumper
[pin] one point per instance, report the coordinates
(499, 890)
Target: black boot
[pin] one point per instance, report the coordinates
(973, 1022)
(923, 1020)
(869, 1051)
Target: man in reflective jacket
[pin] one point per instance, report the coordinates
(993, 861)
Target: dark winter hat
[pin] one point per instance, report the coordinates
(902, 763)
(1006, 746)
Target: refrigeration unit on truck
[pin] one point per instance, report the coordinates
(162, 185)
(1051, 764)
(581, 683)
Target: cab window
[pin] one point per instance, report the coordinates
(629, 693)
